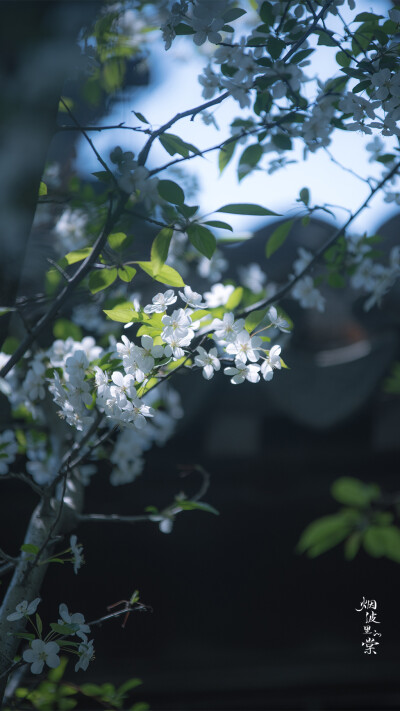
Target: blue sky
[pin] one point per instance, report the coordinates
(174, 88)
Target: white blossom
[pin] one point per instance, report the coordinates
(23, 609)
(245, 347)
(242, 372)
(218, 295)
(75, 620)
(252, 277)
(208, 361)
(160, 302)
(77, 553)
(192, 298)
(40, 653)
(271, 363)
(278, 321)
(86, 654)
(308, 296)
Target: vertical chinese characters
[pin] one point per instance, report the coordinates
(369, 607)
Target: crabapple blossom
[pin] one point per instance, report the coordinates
(161, 302)
(227, 329)
(86, 654)
(23, 609)
(76, 620)
(192, 298)
(308, 296)
(241, 372)
(40, 653)
(245, 347)
(218, 295)
(208, 361)
(278, 321)
(271, 362)
(252, 277)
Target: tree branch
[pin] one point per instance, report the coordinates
(79, 275)
(190, 112)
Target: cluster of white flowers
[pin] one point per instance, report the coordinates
(375, 278)
(41, 652)
(205, 17)
(134, 178)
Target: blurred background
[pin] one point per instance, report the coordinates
(239, 619)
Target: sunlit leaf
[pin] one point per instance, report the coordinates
(165, 275)
(160, 247)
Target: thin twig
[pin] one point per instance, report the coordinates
(103, 128)
(8, 558)
(91, 144)
(79, 275)
(190, 112)
(312, 27)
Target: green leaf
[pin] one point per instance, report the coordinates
(325, 38)
(234, 299)
(324, 531)
(140, 116)
(278, 237)
(361, 86)
(336, 280)
(267, 14)
(188, 505)
(90, 689)
(30, 548)
(173, 144)
(305, 195)
(282, 141)
(233, 14)
(103, 175)
(219, 225)
(101, 279)
(66, 329)
(202, 239)
(352, 545)
(275, 46)
(183, 29)
(118, 240)
(160, 246)
(353, 492)
(73, 257)
(246, 209)
(226, 154)
(126, 273)
(58, 673)
(249, 159)
(166, 275)
(62, 629)
(128, 685)
(187, 210)
(367, 17)
(39, 624)
(342, 59)
(124, 313)
(42, 188)
(171, 192)
(254, 319)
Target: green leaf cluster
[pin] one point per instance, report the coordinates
(360, 523)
